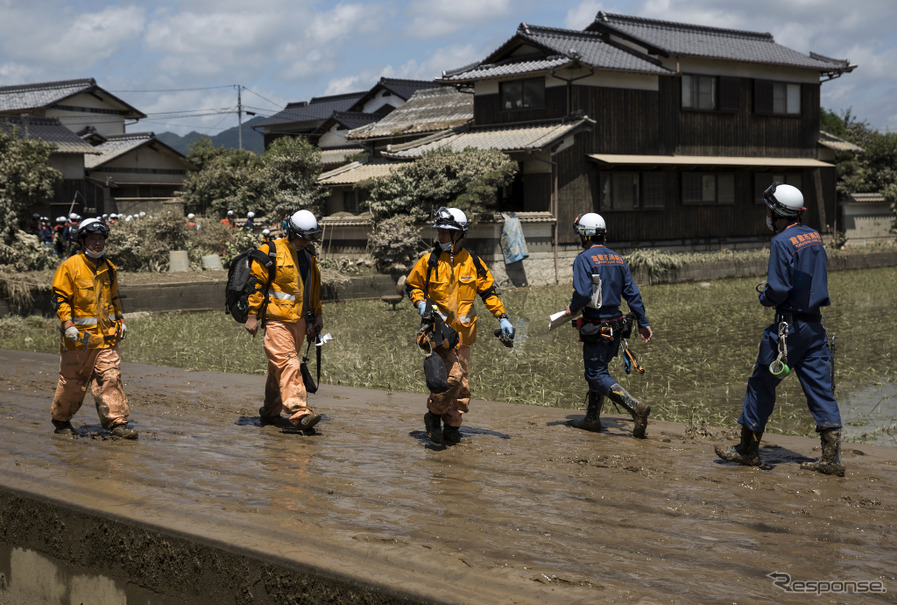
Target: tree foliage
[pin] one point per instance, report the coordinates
(26, 181)
(276, 184)
(872, 171)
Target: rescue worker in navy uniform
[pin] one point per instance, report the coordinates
(293, 314)
(453, 285)
(615, 285)
(797, 286)
(85, 294)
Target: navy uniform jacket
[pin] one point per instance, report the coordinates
(797, 279)
(616, 285)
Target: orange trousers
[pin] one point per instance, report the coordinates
(99, 368)
(284, 389)
(456, 401)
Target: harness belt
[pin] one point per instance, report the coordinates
(790, 318)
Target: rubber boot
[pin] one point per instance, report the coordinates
(121, 431)
(434, 427)
(451, 435)
(307, 422)
(63, 427)
(830, 461)
(747, 452)
(638, 409)
(592, 420)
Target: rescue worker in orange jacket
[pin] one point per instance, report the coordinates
(85, 294)
(291, 313)
(453, 284)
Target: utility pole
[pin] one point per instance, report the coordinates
(239, 117)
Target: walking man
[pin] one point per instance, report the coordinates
(287, 306)
(85, 295)
(797, 286)
(451, 277)
(601, 281)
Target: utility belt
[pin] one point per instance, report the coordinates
(595, 330)
(790, 318)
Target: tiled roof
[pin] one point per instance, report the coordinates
(403, 89)
(359, 171)
(832, 142)
(509, 139)
(39, 95)
(118, 145)
(49, 130)
(337, 157)
(700, 41)
(867, 198)
(430, 110)
(555, 48)
(319, 108)
(354, 119)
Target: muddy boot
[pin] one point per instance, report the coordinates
(830, 461)
(265, 419)
(638, 409)
(121, 431)
(592, 420)
(307, 422)
(434, 427)
(747, 452)
(63, 427)
(451, 435)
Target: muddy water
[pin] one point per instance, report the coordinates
(525, 510)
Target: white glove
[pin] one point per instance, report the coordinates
(124, 331)
(71, 333)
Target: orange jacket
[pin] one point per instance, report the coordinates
(286, 295)
(453, 288)
(86, 293)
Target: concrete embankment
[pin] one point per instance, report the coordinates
(207, 506)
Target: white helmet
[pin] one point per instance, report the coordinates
(589, 224)
(250, 214)
(451, 218)
(93, 225)
(266, 232)
(230, 212)
(784, 200)
(304, 224)
(142, 213)
(191, 216)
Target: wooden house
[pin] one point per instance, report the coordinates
(670, 130)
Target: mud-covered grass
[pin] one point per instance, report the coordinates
(706, 338)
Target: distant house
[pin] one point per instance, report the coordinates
(136, 172)
(669, 130)
(325, 121)
(113, 166)
(67, 158)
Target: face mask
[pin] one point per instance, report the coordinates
(93, 254)
(446, 246)
(769, 224)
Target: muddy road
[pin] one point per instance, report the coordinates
(524, 510)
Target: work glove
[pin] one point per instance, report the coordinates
(422, 307)
(71, 333)
(124, 330)
(507, 329)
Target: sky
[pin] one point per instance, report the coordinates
(183, 62)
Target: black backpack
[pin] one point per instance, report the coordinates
(241, 283)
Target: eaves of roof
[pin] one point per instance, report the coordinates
(430, 110)
(116, 146)
(403, 89)
(684, 39)
(44, 95)
(319, 108)
(50, 130)
(510, 139)
(357, 172)
(836, 144)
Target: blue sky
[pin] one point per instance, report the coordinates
(180, 62)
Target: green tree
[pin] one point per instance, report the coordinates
(226, 179)
(26, 180)
(290, 170)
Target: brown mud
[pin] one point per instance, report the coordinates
(210, 507)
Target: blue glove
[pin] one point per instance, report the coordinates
(422, 307)
(507, 329)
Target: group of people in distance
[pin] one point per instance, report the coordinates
(447, 281)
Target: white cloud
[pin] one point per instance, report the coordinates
(436, 18)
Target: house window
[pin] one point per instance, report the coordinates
(522, 94)
(698, 92)
(762, 180)
(776, 98)
(631, 190)
(708, 188)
